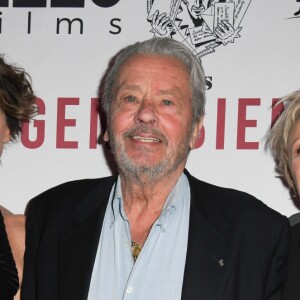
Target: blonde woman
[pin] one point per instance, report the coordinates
(284, 141)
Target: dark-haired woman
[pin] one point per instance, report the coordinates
(16, 106)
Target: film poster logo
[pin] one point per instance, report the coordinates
(202, 25)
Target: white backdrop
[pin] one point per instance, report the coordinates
(261, 64)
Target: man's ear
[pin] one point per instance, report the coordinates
(7, 136)
(196, 133)
(106, 136)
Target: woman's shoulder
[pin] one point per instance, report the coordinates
(8, 271)
(14, 224)
(5, 212)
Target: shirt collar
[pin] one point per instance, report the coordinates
(174, 202)
(117, 202)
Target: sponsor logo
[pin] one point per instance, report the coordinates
(202, 25)
(35, 133)
(56, 3)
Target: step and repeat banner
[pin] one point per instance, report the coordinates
(250, 60)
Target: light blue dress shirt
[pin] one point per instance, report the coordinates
(158, 271)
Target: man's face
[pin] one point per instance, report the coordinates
(196, 7)
(150, 125)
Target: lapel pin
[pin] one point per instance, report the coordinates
(221, 262)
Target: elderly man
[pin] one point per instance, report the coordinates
(153, 231)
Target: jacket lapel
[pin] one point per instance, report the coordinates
(79, 243)
(207, 254)
(208, 259)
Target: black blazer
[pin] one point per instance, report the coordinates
(237, 246)
(292, 284)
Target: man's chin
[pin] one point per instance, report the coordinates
(143, 170)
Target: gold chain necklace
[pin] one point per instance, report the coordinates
(135, 249)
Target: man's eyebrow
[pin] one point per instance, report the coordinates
(136, 87)
(127, 86)
(169, 92)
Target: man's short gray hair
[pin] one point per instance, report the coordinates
(163, 47)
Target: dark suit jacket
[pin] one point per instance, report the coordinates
(64, 226)
(292, 284)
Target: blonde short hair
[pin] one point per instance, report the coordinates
(278, 136)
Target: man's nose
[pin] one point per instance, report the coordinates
(146, 114)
